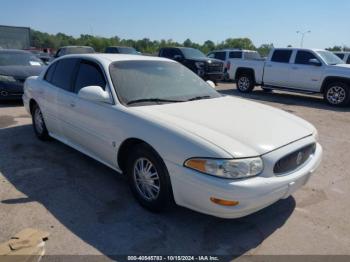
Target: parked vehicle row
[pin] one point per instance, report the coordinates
(229, 56)
(195, 60)
(298, 70)
(167, 130)
(15, 67)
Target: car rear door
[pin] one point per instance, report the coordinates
(47, 99)
(277, 69)
(92, 124)
(305, 75)
(62, 80)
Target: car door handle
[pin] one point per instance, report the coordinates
(72, 104)
(295, 68)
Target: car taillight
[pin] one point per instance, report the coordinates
(228, 66)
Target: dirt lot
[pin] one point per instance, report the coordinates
(88, 208)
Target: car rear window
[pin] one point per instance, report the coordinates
(236, 54)
(281, 56)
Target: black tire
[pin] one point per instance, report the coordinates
(337, 94)
(245, 83)
(40, 129)
(158, 201)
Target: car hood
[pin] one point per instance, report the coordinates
(21, 72)
(206, 59)
(240, 127)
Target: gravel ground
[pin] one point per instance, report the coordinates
(88, 208)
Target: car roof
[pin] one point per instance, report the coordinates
(76, 46)
(299, 49)
(110, 58)
(120, 46)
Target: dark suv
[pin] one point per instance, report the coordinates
(207, 68)
(121, 50)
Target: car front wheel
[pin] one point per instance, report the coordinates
(149, 179)
(337, 94)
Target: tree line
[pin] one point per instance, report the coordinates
(145, 45)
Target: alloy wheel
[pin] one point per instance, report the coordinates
(146, 179)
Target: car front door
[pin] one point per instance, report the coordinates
(277, 69)
(307, 71)
(92, 127)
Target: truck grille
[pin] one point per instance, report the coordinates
(214, 67)
(294, 160)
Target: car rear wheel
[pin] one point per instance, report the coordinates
(149, 179)
(39, 126)
(245, 83)
(337, 94)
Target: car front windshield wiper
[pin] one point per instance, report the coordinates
(198, 98)
(156, 100)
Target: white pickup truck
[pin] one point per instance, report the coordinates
(298, 70)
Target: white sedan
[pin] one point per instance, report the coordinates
(172, 134)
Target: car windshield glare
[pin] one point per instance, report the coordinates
(157, 82)
(19, 59)
(192, 53)
(330, 58)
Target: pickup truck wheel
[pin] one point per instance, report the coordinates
(39, 126)
(149, 179)
(245, 83)
(337, 94)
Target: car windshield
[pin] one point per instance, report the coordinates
(330, 58)
(19, 59)
(157, 82)
(192, 53)
(128, 50)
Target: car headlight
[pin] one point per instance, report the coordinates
(4, 78)
(227, 168)
(199, 65)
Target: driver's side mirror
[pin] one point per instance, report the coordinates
(178, 58)
(94, 93)
(315, 62)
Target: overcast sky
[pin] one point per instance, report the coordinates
(263, 21)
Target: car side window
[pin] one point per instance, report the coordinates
(348, 60)
(220, 56)
(341, 56)
(236, 54)
(50, 71)
(211, 55)
(89, 74)
(303, 57)
(171, 53)
(62, 76)
(281, 56)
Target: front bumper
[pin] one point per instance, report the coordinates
(194, 190)
(215, 77)
(11, 91)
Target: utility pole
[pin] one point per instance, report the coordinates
(303, 36)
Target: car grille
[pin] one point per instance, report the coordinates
(294, 160)
(215, 67)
